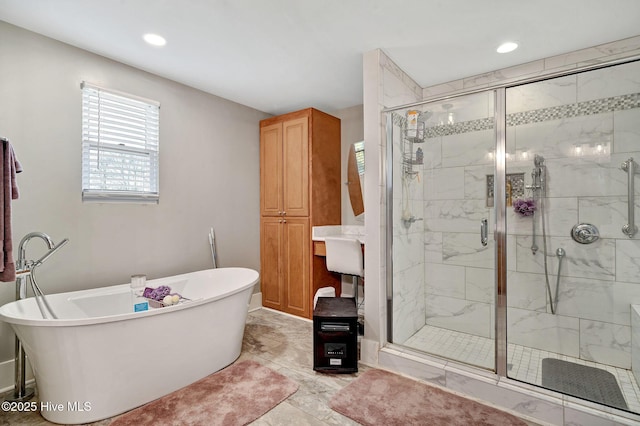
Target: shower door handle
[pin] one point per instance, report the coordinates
(484, 232)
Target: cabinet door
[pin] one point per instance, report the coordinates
(296, 255)
(295, 153)
(271, 170)
(271, 279)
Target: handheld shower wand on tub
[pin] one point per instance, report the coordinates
(48, 254)
(212, 244)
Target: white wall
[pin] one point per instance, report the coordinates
(352, 130)
(209, 173)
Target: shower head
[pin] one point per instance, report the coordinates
(539, 173)
(50, 252)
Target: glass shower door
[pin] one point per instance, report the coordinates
(443, 270)
(573, 272)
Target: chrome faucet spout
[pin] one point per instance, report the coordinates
(23, 245)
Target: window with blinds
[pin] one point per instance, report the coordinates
(120, 142)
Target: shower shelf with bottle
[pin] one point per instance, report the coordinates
(412, 133)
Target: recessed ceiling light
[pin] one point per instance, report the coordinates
(507, 47)
(154, 39)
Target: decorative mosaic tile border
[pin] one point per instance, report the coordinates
(596, 106)
(458, 128)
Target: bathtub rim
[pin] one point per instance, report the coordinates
(253, 278)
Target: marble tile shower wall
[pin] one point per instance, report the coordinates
(593, 125)
(459, 271)
(584, 126)
(409, 308)
(408, 242)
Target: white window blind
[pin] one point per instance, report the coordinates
(359, 148)
(120, 146)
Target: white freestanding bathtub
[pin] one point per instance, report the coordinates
(101, 359)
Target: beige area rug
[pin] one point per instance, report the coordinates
(378, 397)
(236, 395)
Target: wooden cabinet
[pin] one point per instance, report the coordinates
(284, 169)
(271, 243)
(299, 188)
(271, 170)
(284, 252)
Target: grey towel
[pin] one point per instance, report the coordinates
(9, 166)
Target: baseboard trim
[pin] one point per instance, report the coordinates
(369, 352)
(256, 302)
(287, 314)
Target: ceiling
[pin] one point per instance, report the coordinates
(281, 55)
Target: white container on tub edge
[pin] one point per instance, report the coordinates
(138, 283)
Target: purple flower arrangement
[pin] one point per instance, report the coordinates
(524, 206)
(157, 293)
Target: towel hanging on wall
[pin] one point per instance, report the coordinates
(9, 166)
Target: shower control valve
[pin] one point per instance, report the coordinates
(585, 233)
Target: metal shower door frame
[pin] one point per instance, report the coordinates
(500, 236)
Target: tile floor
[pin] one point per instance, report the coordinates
(282, 343)
(523, 363)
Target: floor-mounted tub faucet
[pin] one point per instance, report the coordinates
(25, 270)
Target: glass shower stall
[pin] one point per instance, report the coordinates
(515, 247)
